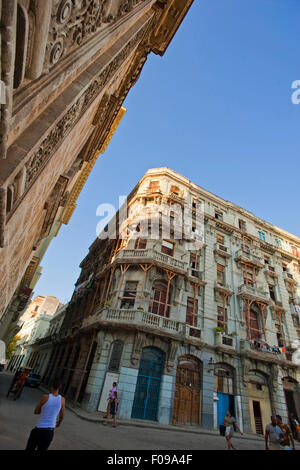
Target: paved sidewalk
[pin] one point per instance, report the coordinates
(97, 417)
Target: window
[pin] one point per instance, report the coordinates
(242, 225)
(115, 357)
(175, 190)
(247, 244)
(284, 268)
(249, 275)
(191, 311)
(279, 336)
(220, 239)
(255, 332)
(153, 186)
(262, 235)
(129, 294)
(272, 292)
(223, 381)
(267, 260)
(159, 302)
(220, 274)
(218, 215)
(140, 243)
(193, 261)
(295, 251)
(222, 314)
(167, 248)
(278, 242)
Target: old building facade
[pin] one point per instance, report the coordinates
(67, 66)
(34, 324)
(189, 325)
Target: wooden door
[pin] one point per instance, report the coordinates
(187, 397)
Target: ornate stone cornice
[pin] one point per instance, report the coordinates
(87, 168)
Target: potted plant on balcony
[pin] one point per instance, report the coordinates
(219, 333)
(140, 307)
(107, 303)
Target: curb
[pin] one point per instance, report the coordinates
(161, 427)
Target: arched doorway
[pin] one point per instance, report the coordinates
(290, 387)
(259, 401)
(187, 399)
(146, 398)
(224, 388)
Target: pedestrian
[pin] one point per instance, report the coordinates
(295, 425)
(14, 380)
(19, 385)
(287, 440)
(112, 405)
(273, 435)
(52, 410)
(229, 423)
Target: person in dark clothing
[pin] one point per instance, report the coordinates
(14, 380)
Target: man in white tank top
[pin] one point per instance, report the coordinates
(50, 408)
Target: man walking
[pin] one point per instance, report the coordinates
(14, 380)
(50, 407)
(273, 435)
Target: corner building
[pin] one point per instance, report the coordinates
(186, 333)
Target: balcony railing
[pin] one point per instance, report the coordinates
(150, 255)
(142, 318)
(222, 250)
(254, 291)
(251, 256)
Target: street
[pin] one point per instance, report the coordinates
(17, 419)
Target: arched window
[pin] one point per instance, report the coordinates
(223, 380)
(115, 357)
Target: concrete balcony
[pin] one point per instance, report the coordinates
(150, 322)
(223, 288)
(222, 250)
(224, 340)
(254, 292)
(150, 256)
(248, 348)
(270, 271)
(249, 257)
(288, 277)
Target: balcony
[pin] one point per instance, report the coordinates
(140, 318)
(224, 340)
(266, 351)
(223, 288)
(288, 277)
(270, 271)
(255, 293)
(250, 257)
(222, 250)
(150, 256)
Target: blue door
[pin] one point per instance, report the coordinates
(225, 402)
(146, 398)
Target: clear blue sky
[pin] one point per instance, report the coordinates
(217, 109)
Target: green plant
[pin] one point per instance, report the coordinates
(12, 346)
(219, 329)
(108, 303)
(234, 333)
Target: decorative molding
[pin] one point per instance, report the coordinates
(74, 22)
(87, 168)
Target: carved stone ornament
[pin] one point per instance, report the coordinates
(73, 22)
(55, 137)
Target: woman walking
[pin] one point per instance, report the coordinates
(229, 423)
(112, 405)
